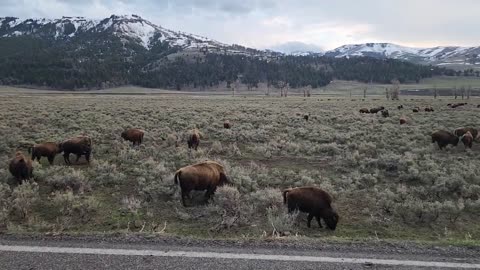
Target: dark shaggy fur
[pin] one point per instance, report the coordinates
(21, 167)
(314, 201)
(444, 138)
(80, 146)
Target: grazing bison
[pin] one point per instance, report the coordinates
(306, 116)
(444, 138)
(416, 109)
(364, 110)
(21, 167)
(403, 120)
(478, 106)
(429, 109)
(400, 107)
(376, 110)
(314, 201)
(133, 135)
(457, 105)
(48, 149)
(227, 125)
(467, 140)
(461, 131)
(80, 146)
(194, 139)
(385, 113)
(205, 175)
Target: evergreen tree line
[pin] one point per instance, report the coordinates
(106, 61)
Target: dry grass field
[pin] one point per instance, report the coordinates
(388, 181)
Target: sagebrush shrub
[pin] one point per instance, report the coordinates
(24, 198)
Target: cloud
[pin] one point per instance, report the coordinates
(264, 23)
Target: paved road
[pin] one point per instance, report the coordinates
(138, 253)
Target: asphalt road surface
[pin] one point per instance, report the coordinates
(171, 253)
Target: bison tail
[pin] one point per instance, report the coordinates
(176, 177)
(285, 195)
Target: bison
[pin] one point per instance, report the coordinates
(81, 145)
(194, 139)
(133, 135)
(403, 120)
(429, 109)
(457, 105)
(48, 149)
(467, 139)
(444, 138)
(416, 109)
(461, 131)
(205, 175)
(400, 107)
(376, 110)
(314, 201)
(306, 116)
(21, 167)
(227, 125)
(385, 113)
(364, 110)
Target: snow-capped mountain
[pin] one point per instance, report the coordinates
(442, 56)
(129, 28)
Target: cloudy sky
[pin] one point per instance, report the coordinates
(287, 24)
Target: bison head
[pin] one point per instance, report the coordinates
(223, 179)
(331, 219)
(124, 135)
(455, 141)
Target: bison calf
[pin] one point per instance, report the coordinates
(48, 149)
(133, 135)
(444, 138)
(21, 167)
(314, 201)
(205, 175)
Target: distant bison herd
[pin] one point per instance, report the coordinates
(202, 176)
(442, 137)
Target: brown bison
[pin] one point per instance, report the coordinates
(80, 146)
(444, 138)
(403, 120)
(21, 167)
(385, 113)
(194, 139)
(205, 175)
(478, 106)
(314, 201)
(461, 131)
(364, 110)
(400, 107)
(416, 109)
(429, 109)
(467, 139)
(133, 135)
(376, 110)
(227, 125)
(48, 149)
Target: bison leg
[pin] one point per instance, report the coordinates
(66, 157)
(309, 220)
(319, 222)
(209, 193)
(87, 157)
(50, 159)
(184, 195)
(78, 157)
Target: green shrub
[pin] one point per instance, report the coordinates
(24, 198)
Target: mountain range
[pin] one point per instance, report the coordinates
(133, 28)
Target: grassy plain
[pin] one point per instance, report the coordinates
(388, 181)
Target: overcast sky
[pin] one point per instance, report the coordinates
(323, 24)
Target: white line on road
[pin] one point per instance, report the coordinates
(233, 256)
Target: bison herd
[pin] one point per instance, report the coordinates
(202, 176)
